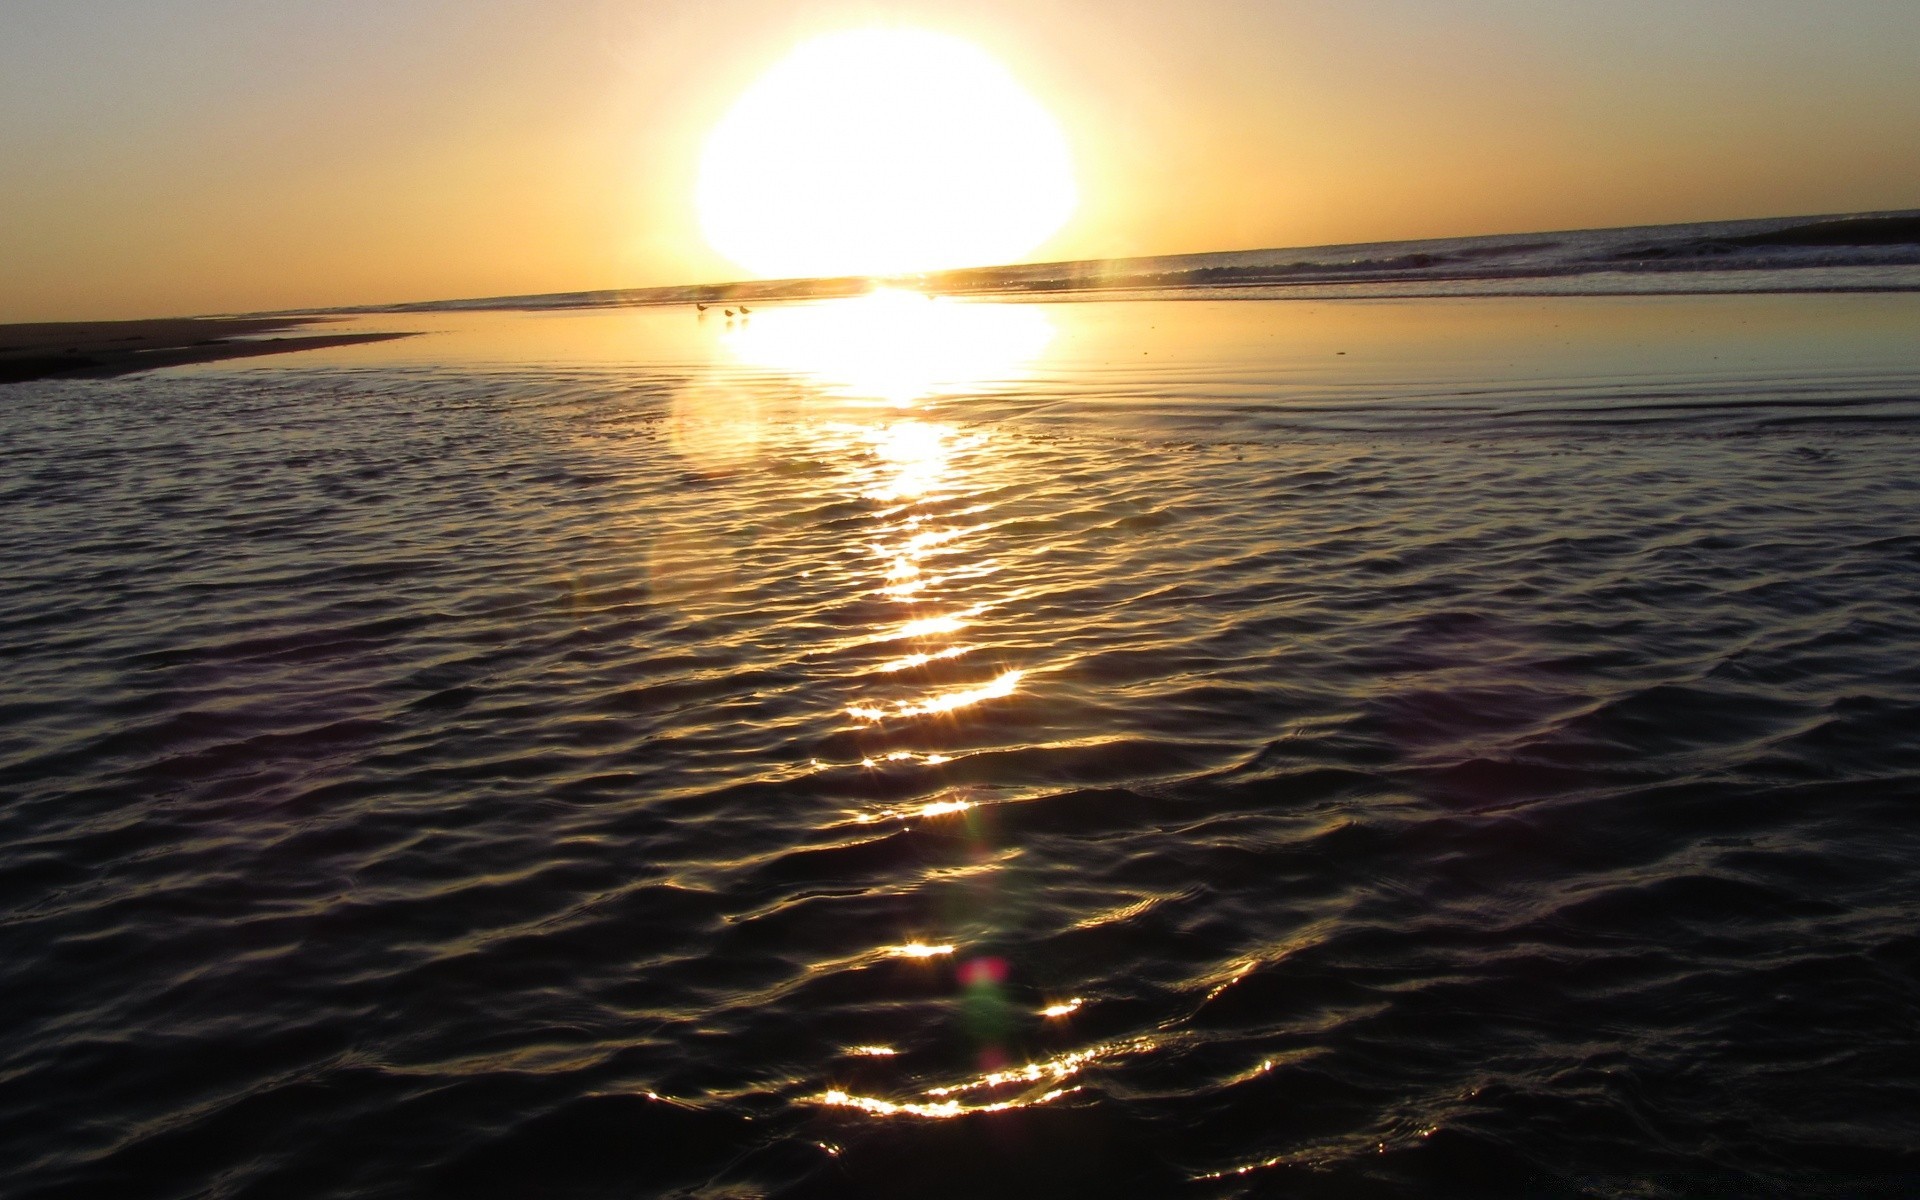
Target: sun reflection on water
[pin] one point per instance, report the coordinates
(928, 627)
(933, 808)
(1039, 1082)
(918, 950)
(911, 661)
(942, 702)
(934, 642)
(894, 346)
(919, 462)
(917, 455)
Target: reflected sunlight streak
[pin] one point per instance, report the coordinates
(942, 702)
(897, 756)
(934, 808)
(927, 627)
(939, 1110)
(917, 950)
(919, 660)
(1050, 1074)
(895, 346)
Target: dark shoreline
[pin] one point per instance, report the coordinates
(100, 349)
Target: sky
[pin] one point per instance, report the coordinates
(174, 157)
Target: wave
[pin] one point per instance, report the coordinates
(428, 780)
(1862, 252)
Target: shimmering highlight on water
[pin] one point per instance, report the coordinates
(1372, 748)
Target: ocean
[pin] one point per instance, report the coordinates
(1352, 744)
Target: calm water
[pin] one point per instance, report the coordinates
(1153, 748)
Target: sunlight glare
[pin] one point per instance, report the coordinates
(997, 688)
(918, 950)
(893, 345)
(1040, 1082)
(881, 152)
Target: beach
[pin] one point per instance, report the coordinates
(106, 348)
(1379, 746)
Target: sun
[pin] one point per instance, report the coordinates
(883, 152)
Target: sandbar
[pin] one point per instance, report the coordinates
(96, 349)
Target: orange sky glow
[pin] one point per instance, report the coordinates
(203, 157)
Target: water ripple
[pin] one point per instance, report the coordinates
(432, 780)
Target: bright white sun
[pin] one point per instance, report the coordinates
(883, 152)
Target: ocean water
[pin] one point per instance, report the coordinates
(920, 748)
(1853, 252)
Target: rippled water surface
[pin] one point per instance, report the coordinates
(896, 748)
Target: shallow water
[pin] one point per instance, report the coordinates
(1154, 748)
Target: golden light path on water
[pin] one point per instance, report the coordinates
(1039, 1082)
(893, 371)
(1295, 685)
(894, 346)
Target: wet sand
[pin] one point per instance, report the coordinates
(106, 348)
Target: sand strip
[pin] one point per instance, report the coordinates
(82, 349)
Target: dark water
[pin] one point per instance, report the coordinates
(1460, 748)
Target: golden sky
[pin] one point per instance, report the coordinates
(192, 156)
